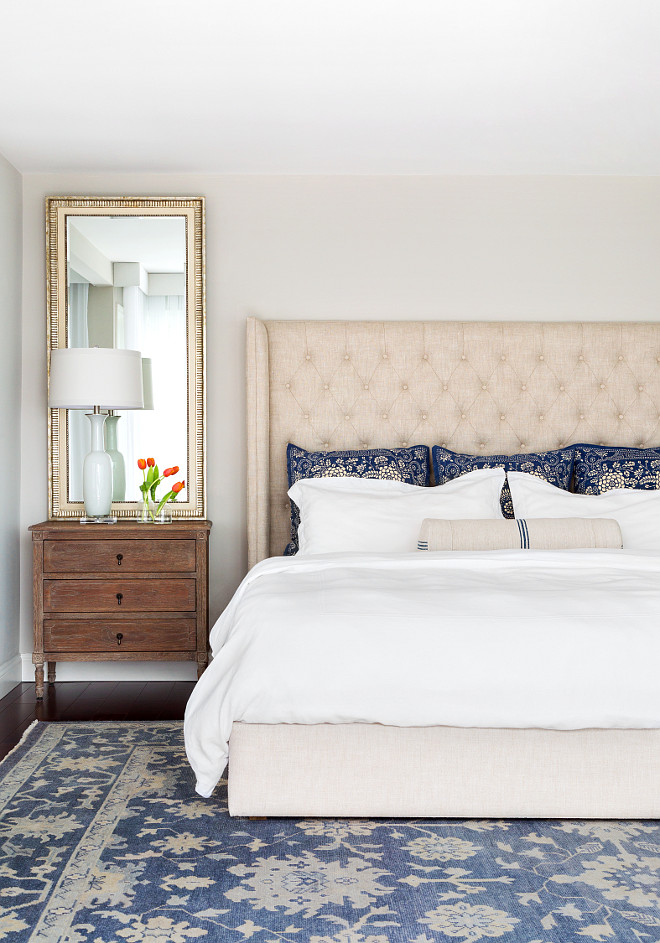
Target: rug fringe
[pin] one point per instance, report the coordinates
(20, 742)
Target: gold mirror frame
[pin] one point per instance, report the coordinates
(58, 208)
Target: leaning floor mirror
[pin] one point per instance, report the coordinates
(128, 274)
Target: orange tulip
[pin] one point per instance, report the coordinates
(168, 472)
(151, 462)
(177, 486)
(142, 464)
(175, 469)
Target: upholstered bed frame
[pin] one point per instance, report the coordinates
(478, 387)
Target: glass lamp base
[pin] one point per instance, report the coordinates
(105, 519)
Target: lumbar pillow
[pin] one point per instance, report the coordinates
(561, 533)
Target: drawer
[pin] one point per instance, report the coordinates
(120, 556)
(139, 635)
(119, 595)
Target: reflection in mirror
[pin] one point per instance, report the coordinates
(127, 289)
(128, 273)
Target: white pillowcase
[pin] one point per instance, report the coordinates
(375, 515)
(638, 512)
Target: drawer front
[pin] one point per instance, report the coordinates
(119, 556)
(119, 595)
(143, 635)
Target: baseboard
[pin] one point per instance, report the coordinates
(10, 674)
(116, 671)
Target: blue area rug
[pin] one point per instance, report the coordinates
(104, 841)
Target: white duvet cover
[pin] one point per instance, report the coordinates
(513, 638)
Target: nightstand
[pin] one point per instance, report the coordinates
(119, 592)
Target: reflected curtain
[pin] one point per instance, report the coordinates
(156, 326)
(79, 429)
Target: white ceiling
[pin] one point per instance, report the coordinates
(347, 86)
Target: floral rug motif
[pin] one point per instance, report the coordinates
(104, 841)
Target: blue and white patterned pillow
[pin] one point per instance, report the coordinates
(411, 465)
(600, 468)
(555, 466)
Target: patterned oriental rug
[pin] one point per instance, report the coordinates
(104, 841)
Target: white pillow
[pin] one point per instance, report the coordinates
(375, 515)
(638, 512)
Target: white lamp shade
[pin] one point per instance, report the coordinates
(147, 384)
(84, 377)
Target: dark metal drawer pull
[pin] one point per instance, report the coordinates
(119, 638)
(120, 557)
(120, 596)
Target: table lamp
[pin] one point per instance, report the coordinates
(96, 378)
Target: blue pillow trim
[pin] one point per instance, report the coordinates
(600, 468)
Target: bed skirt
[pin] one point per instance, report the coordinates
(378, 771)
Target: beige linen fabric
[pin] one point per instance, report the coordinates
(374, 770)
(477, 387)
(541, 533)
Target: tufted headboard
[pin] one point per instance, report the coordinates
(478, 387)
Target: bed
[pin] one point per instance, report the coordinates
(476, 387)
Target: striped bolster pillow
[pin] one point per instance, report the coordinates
(541, 533)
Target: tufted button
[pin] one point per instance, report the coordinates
(620, 357)
(288, 386)
(424, 416)
(640, 388)
(502, 357)
(307, 357)
(326, 445)
(404, 444)
(384, 415)
(580, 357)
(444, 386)
(463, 416)
(425, 356)
(405, 386)
(306, 415)
(326, 386)
(523, 387)
(384, 356)
(541, 418)
(365, 445)
(581, 415)
(541, 357)
(366, 386)
(347, 418)
(482, 445)
(602, 386)
(601, 444)
(522, 445)
(562, 388)
(620, 415)
(346, 357)
(502, 418)
(444, 445)
(463, 357)
(483, 386)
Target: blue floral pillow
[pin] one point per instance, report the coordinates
(555, 467)
(600, 468)
(411, 465)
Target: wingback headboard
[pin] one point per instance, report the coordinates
(476, 386)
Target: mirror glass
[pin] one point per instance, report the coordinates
(129, 277)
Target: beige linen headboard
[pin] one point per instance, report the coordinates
(478, 387)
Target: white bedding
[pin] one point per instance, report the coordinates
(514, 638)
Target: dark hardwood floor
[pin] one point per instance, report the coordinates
(90, 700)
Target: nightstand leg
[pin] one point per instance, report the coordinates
(52, 665)
(202, 662)
(39, 681)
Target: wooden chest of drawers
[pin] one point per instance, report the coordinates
(120, 592)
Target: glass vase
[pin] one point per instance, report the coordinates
(148, 513)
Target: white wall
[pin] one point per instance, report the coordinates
(556, 248)
(10, 419)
